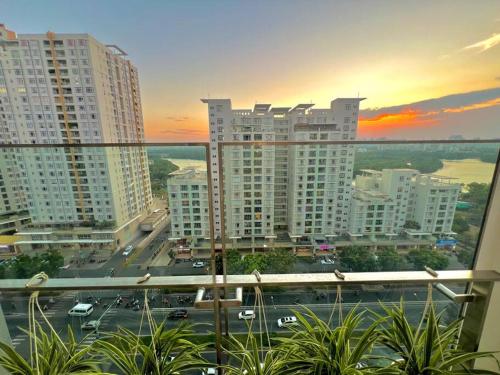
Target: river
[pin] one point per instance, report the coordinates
(467, 170)
(185, 163)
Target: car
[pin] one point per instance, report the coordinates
(246, 315)
(91, 325)
(198, 264)
(327, 261)
(209, 371)
(81, 309)
(178, 314)
(128, 250)
(287, 321)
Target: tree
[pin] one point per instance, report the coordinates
(411, 224)
(427, 257)
(255, 262)
(273, 261)
(477, 193)
(466, 256)
(280, 261)
(389, 259)
(358, 259)
(460, 224)
(26, 266)
(233, 262)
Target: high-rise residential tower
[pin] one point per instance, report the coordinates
(304, 189)
(72, 89)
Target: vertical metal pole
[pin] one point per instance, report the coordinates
(4, 336)
(218, 330)
(220, 148)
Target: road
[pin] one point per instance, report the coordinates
(276, 306)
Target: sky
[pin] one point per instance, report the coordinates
(429, 69)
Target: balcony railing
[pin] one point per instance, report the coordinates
(229, 246)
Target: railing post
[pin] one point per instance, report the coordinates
(4, 335)
(486, 257)
(218, 328)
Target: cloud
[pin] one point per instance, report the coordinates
(477, 112)
(486, 104)
(177, 118)
(484, 44)
(409, 116)
(183, 131)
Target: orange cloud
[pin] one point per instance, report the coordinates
(176, 129)
(385, 123)
(486, 104)
(406, 116)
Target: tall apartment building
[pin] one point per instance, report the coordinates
(271, 188)
(70, 88)
(188, 201)
(384, 201)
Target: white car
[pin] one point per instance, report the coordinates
(128, 250)
(246, 315)
(91, 325)
(209, 371)
(327, 261)
(198, 264)
(287, 321)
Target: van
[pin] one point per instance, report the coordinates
(128, 250)
(81, 309)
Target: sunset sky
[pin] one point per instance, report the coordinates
(429, 69)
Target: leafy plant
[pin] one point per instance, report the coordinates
(316, 348)
(428, 349)
(250, 360)
(167, 351)
(51, 357)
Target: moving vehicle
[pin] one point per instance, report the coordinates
(209, 371)
(287, 321)
(198, 264)
(128, 250)
(327, 261)
(178, 314)
(91, 325)
(81, 309)
(246, 315)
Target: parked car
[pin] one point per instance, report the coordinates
(91, 325)
(246, 315)
(327, 261)
(178, 314)
(287, 321)
(198, 264)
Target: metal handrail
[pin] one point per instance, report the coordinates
(248, 281)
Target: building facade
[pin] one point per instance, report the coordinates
(402, 196)
(301, 190)
(188, 201)
(72, 89)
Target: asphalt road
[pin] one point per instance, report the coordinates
(276, 306)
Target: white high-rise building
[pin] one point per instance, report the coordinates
(70, 88)
(401, 196)
(304, 190)
(188, 202)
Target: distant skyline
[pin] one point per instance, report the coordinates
(429, 69)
